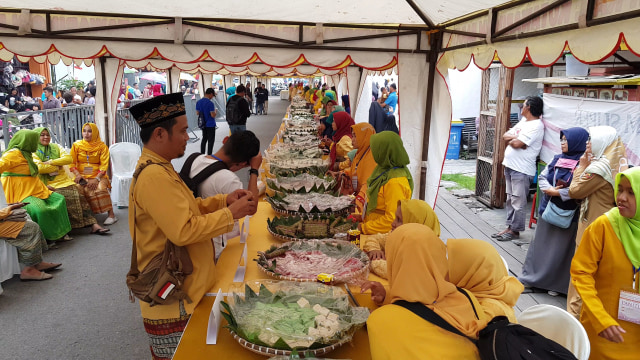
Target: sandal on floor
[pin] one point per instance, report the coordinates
(42, 276)
(50, 268)
(110, 220)
(100, 232)
(65, 238)
(507, 237)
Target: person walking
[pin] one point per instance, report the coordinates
(238, 110)
(524, 143)
(207, 111)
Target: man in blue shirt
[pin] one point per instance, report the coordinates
(392, 100)
(206, 109)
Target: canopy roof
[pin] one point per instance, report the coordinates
(327, 11)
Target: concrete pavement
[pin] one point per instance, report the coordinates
(84, 311)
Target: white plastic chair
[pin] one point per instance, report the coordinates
(505, 263)
(559, 326)
(124, 157)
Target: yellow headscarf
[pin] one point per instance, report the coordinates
(415, 249)
(419, 212)
(475, 265)
(95, 144)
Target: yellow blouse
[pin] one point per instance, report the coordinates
(88, 163)
(61, 178)
(344, 146)
(397, 333)
(599, 270)
(17, 188)
(379, 221)
(178, 217)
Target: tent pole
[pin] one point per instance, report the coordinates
(103, 63)
(434, 47)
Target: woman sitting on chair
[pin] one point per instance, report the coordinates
(26, 236)
(21, 184)
(395, 331)
(390, 182)
(474, 265)
(90, 161)
(51, 159)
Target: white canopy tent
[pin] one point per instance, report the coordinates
(347, 38)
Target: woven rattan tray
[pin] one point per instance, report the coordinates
(267, 351)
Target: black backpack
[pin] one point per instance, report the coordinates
(233, 113)
(504, 340)
(500, 340)
(192, 183)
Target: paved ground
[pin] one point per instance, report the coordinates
(494, 217)
(84, 312)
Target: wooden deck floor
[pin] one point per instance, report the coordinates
(458, 221)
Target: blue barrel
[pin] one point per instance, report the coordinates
(455, 140)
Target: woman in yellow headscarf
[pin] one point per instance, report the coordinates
(396, 332)
(51, 159)
(474, 265)
(408, 211)
(605, 269)
(363, 163)
(90, 158)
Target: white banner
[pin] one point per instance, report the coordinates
(563, 112)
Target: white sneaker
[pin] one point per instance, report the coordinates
(110, 220)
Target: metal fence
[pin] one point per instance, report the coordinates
(127, 130)
(64, 124)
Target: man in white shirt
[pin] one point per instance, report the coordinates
(242, 149)
(524, 142)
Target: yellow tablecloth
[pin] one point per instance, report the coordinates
(193, 344)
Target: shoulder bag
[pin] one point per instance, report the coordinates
(160, 282)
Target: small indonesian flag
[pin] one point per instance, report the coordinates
(166, 290)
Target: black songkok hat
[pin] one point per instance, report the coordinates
(158, 109)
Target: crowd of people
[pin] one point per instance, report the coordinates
(50, 191)
(586, 242)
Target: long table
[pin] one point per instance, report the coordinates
(193, 343)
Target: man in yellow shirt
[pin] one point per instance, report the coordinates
(163, 209)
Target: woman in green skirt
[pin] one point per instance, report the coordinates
(51, 159)
(21, 184)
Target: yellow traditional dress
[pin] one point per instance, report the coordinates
(21, 184)
(177, 216)
(91, 160)
(600, 269)
(397, 333)
(55, 175)
(476, 266)
(389, 182)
